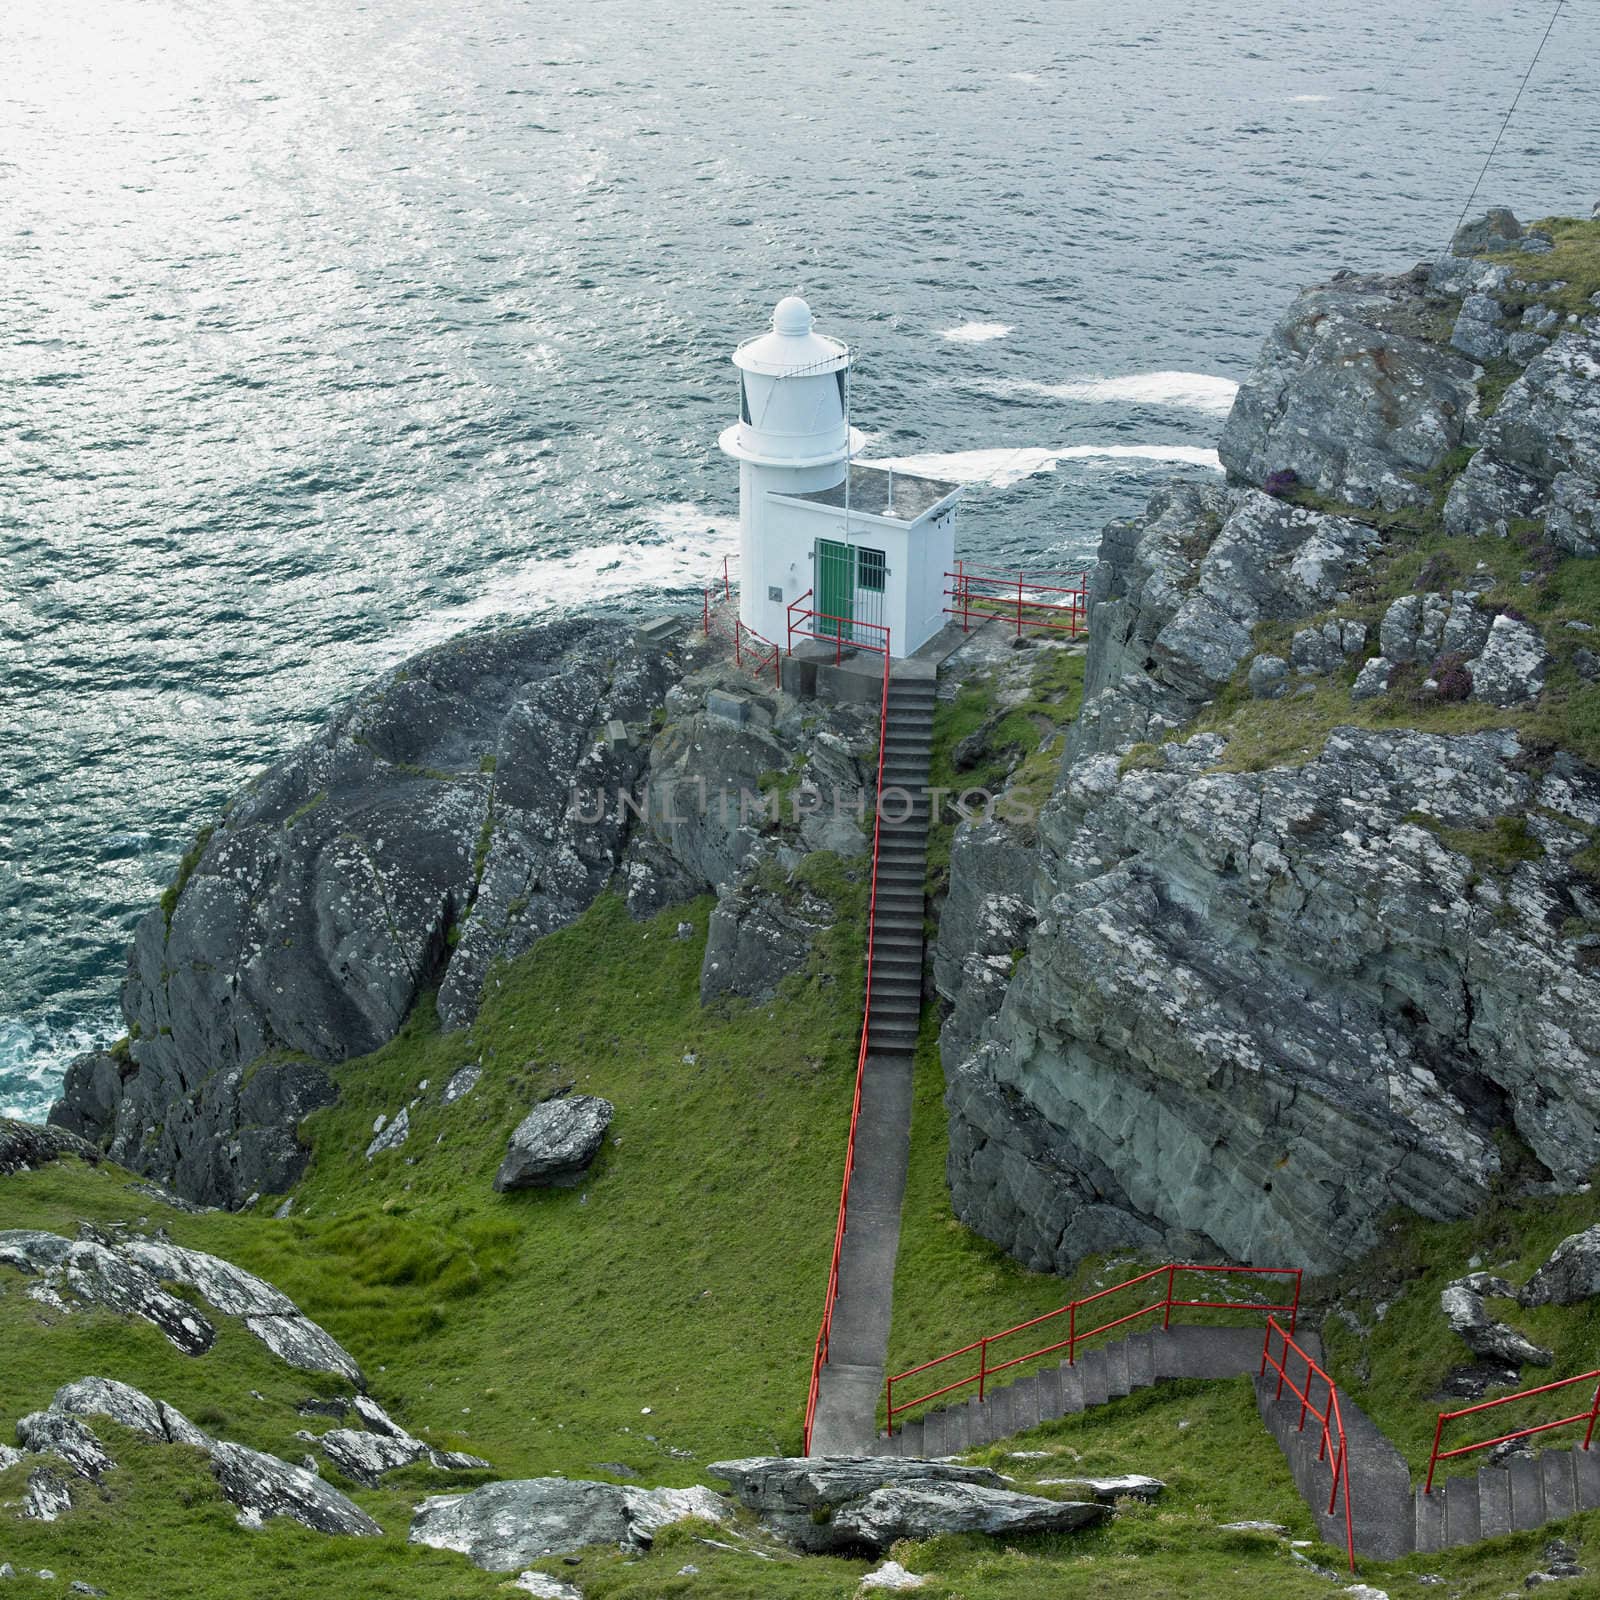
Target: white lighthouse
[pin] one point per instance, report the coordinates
(858, 544)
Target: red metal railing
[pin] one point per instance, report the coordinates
(843, 635)
(751, 650)
(1587, 1417)
(1333, 1448)
(819, 1354)
(988, 1369)
(1025, 600)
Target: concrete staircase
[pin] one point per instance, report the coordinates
(847, 1395)
(1525, 1493)
(898, 924)
(1101, 1372)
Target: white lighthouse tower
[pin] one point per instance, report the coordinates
(859, 544)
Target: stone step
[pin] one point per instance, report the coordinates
(1141, 1361)
(1460, 1511)
(1116, 1360)
(1494, 1503)
(1092, 1372)
(1560, 1484)
(1527, 1493)
(1430, 1522)
(1586, 1471)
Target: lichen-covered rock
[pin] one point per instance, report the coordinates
(1571, 1274)
(803, 1499)
(1269, 677)
(1422, 627)
(263, 1487)
(1325, 647)
(105, 1397)
(555, 1143)
(925, 1510)
(758, 936)
(1350, 398)
(1464, 1310)
(99, 1276)
(1512, 666)
(366, 1457)
(1478, 331)
(22, 1145)
(1172, 1067)
(58, 1434)
(47, 1497)
(391, 1135)
(1541, 450)
(1373, 679)
(504, 1526)
(1108, 1490)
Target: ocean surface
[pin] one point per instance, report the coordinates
(330, 329)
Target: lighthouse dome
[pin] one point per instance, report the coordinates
(793, 346)
(792, 317)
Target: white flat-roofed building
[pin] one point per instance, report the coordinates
(851, 540)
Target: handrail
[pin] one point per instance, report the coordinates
(1588, 1416)
(990, 595)
(1167, 1305)
(1331, 1417)
(761, 652)
(838, 638)
(819, 1354)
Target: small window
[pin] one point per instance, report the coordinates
(744, 401)
(871, 569)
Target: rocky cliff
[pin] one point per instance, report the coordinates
(479, 796)
(1311, 919)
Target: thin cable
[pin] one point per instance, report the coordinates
(1507, 122)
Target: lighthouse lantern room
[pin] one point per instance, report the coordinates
(869, 545)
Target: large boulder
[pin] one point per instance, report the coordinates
(1570, 1275)
(1464, 1310)
(503, 1526)
(925, 1510)
(263, 1487)
(555, 1143)
(1351, 398)
(851, 1504)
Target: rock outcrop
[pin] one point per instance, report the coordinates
(260, 1486)
(128, 1279)
(863, 1504)
(1254, 1000)
(1571, 1274)
(478, 797)
(553, 1146)
(503, 1526)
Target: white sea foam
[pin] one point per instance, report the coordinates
(977, 332)
(1308, 99)
(1023, 77)
(678, 550)
(33, 1057)
(1190, 391)
(998, 469)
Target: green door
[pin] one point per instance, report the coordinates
(836, 588)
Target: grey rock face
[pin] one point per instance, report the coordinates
(105, 1397)
(1373, 679)
(1571, 1274)
(1256, 1011)
(554, 1144)
(268, 1313)
(1478, 332)
(392, 1135)
(47, 1497)
(57, 1434)
(365, 1457)
(1422, 627)
(1495, 231)
(758, 938)
(1177, 592)
(801, 1498)
(128, 1280)
(1269, 677)
(1541, 447)
(1490, 492)
(263, 1487)
(1108, 1490)
(1326, 647)
(320, 906)
(1349, 398)
(504, 1526)
(1464, 1310)
(22, 1145)
(925, 1510)
(1512, 666)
